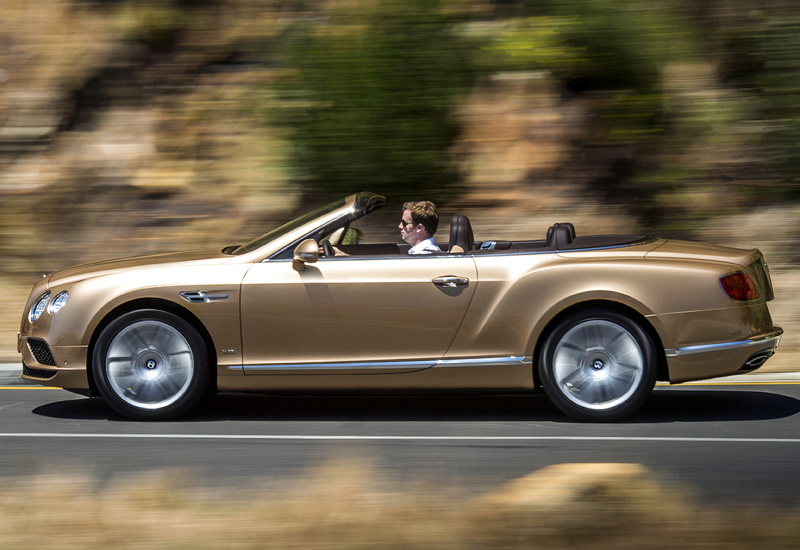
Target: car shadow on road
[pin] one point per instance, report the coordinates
(664, 406)
(716, 405)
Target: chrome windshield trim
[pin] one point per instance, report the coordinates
(378, 365)
(773, 338)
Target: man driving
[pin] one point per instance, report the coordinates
(418, 225)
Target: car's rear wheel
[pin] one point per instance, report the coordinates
(597, 365)
(151, 365)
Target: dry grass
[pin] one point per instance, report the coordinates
(352, 504)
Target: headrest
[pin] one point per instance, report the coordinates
(461, 234)
(560, 235)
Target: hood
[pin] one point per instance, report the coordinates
(104, 267)
(686, 250)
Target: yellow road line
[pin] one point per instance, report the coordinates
(28, 388)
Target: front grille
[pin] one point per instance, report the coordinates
(41, 351)
(36, 373)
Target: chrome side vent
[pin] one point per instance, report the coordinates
(200, 297)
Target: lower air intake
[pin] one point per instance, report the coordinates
(41, 352)
(36, 373)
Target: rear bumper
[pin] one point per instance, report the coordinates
(721, 359)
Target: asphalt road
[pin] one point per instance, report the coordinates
(729, 443)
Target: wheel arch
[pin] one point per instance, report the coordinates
(623, 309)
(158, 304)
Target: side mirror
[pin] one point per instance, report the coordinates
(307, 252)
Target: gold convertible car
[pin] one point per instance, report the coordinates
(593, 321)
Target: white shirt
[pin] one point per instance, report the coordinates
(424, 247)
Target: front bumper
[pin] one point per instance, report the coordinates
(58, 366)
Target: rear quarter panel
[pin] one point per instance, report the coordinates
(519, 295)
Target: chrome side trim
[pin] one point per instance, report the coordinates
(773, 338)
(344, 366)
(382, 365)
(485, 362)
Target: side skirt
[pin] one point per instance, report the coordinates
(473, 373)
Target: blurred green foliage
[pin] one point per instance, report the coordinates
(371, 92)
(371, 96)
(154, 25)
(779, 77)
(596, 46)
(697, 104)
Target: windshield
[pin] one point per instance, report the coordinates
(291, 226)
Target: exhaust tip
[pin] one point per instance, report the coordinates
(756, 360)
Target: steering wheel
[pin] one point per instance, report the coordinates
(327, 247)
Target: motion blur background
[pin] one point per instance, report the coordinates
(133, 126)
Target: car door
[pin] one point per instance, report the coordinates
(350, 315)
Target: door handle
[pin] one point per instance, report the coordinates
(450, 281)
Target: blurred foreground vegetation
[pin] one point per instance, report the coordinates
(351, 504)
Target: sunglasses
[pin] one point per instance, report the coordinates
(404, 223)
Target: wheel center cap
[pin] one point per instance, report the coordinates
(151, 364)
(598, 365)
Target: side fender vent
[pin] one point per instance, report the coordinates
(200, 297)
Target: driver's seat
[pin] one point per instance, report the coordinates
(461, 237)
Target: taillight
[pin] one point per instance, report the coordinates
(739, 286)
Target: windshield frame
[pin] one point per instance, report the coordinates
(288, 227)
(312, 223)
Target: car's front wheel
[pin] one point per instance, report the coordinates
(597, 365)
(150, 365)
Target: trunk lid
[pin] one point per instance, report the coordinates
(751, 261)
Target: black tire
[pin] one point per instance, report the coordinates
(151, 365)
(598, 365)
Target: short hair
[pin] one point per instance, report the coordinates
(423, 212)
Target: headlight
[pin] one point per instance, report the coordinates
(38, 307)
(58, 302)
